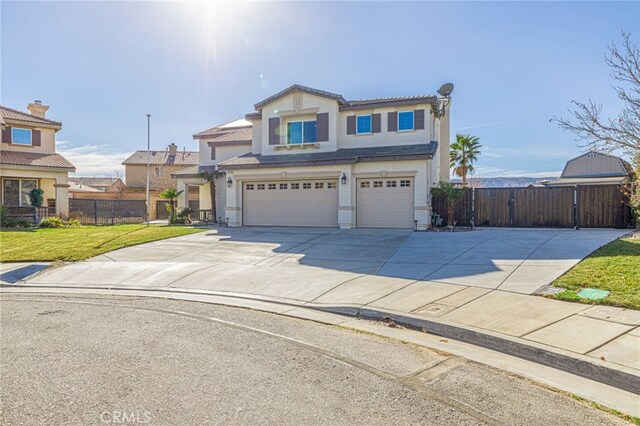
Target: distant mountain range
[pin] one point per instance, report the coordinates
(504, 182)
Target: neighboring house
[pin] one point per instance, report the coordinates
(29, 160)
(102, 184)
(316, 159)
(593, 168)
(162, 164)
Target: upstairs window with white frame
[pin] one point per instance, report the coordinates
(363, 124)
(301, 132)
(405, 120)
(21, 136)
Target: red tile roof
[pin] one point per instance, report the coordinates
(13, 114)
(34, 159)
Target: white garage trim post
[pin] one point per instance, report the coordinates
(233, 211)
(346, 200)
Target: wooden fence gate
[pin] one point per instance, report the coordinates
(586, 206)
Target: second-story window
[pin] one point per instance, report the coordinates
(20, 136)
(363, 124)
(301, 132)
(405, 120)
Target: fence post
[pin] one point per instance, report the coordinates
(576, 208)
(473, 208)
(95, 212)
(112, 201)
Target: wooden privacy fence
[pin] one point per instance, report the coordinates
(108, 212)
(586, 206)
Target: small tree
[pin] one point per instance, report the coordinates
(620, 134)
(452, 193)
(172, 195)
(211, 178)
(464, 152)
(36, 197)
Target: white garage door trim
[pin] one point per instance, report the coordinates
(291, 203)
(385, 202)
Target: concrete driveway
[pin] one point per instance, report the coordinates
(480, 280)
(514, 260)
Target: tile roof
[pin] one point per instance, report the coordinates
(341, 156)
(192, 171)
(95, 181)
(241, 132)
(393, 101)
(78, 187)
(181, 158)
(34, 159)
(301, 88)
(345, 104)
(13, 114)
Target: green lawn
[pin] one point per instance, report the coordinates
(79, 243)
(615, 267)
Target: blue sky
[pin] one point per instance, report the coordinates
(103, 66)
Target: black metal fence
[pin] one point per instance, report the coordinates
(108, 212)
(30, 214)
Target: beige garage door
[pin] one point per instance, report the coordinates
(385, 203)
(291, 203)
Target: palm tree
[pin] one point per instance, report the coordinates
(171, 194)
(211, 178)
(452, 194)
(464, 152)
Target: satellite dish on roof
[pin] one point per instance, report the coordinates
(445, 90)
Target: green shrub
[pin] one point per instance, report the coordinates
(4, 217)
(22, 224)
(73, 223)
(36, 197)
(51, 222)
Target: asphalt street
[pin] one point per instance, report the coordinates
(105, 360)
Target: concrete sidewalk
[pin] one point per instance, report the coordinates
(598, 335)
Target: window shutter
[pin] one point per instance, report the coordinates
(274, 137)
(351, 125)
(35, 138)
(322, 127)
(418, 119)
(376, 123)
(392, 121)
(6, 135)
(213, 152)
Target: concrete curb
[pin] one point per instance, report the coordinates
(590, 368)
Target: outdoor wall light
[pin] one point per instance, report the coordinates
(229, 183)
(343, 179)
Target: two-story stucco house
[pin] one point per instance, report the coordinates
(28, 159)
(316, 159)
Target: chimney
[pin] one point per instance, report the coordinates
(173, 149)
(37, 109)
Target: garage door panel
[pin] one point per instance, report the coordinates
(385, 203)
(291, 203)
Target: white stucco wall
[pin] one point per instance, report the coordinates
(385, 138)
